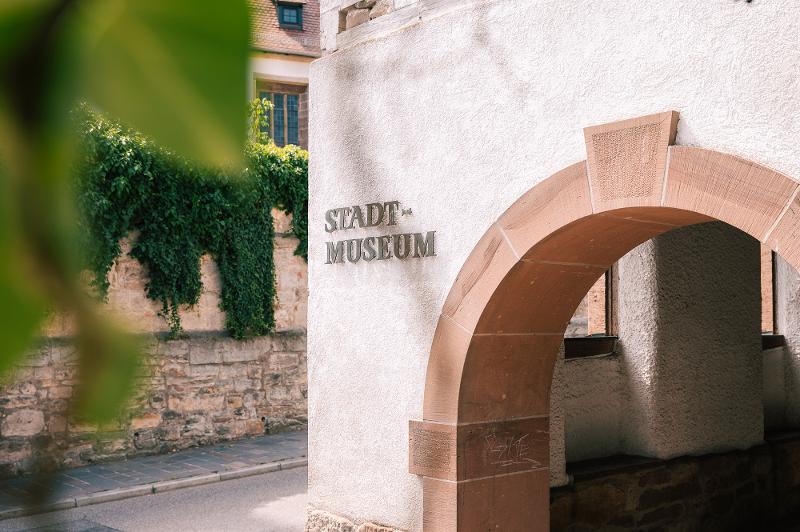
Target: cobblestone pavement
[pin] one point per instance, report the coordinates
(140, 471)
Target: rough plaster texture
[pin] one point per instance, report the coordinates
(689, 327)
(787, 323)
(594, 406)
(589, 396)
(413, 127)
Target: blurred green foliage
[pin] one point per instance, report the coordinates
(179, 210)
(175, 70)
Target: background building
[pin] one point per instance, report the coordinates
(285, 41)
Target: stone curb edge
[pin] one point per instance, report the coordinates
(154, 487)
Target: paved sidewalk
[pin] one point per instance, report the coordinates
(152, 474)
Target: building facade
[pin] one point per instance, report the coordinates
(285, 38)
(542, 143)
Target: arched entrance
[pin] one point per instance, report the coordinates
(482, 446)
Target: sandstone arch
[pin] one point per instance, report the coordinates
(482, 445)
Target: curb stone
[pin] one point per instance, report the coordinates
(250, 471)
(153, 488)
(113, 495)
(170, 485)
(293, 463)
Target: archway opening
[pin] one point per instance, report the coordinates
(482, 446)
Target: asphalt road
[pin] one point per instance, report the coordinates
(273, 502)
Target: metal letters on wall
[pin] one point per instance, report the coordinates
(383, 247)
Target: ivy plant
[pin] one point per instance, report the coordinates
(176, 211)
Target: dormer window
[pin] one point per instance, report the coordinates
(290, 16)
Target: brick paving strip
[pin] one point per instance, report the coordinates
(154, 474)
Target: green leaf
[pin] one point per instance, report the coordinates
(109, 361)
(20, 317)
(21, 308)
(18, 20)
(176, 70)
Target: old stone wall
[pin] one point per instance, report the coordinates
(201, 388)
(742, 490)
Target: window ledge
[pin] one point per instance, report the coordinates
(600, 467)
(589, 346)
(771, 341)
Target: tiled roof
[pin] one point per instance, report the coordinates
(268, 35)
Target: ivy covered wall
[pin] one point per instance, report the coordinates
(177, 211)
(161, 233)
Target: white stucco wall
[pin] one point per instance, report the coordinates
(456, 117)
(594, 407)
(690, 332)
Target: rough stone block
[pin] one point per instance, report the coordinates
(22, 423)
(232, 371)
(44, 373)
(627, 159)
(57, 424)
(597, 504)
(196, 403)
(204, 352)
(280, 362)
(289, 343)
(254, 426)
(240, 351)
(356, 17)
(146, 421)
(319, 521)
(204, 370)
(241, 385)
(654, 497)
(60, 392)
(381, 7)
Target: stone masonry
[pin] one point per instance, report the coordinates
(320, 521)
(202, 388)
(756, 489)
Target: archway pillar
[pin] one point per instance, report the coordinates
(481, 476)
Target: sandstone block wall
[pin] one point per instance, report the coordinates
(757, 489)
(202, 388)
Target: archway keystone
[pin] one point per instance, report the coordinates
(482, 446)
